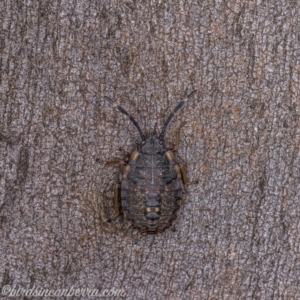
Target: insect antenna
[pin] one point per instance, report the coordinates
(122, 110)
(161, 137)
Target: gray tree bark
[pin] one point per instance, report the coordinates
(237, 235)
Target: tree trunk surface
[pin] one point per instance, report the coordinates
(237, 234)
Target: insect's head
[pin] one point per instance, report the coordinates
(152, 145)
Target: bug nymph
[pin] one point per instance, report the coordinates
(152, 183)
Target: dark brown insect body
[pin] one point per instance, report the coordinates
(152, 187)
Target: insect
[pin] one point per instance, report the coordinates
(152, 189)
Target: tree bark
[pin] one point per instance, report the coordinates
(237, 235)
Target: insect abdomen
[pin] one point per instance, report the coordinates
(151, 192)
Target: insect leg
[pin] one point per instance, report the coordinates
(177, 136)
(185, 179)
(121, 162)
(183, 171)
(115, 162)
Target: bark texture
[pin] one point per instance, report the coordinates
(237, 235)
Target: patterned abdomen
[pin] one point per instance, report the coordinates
(151, 191)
